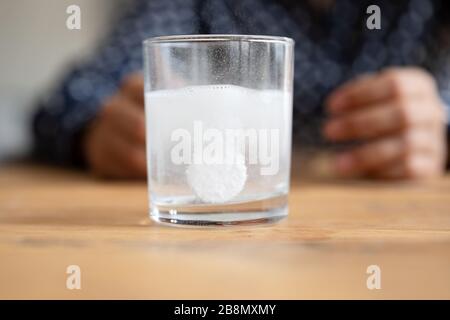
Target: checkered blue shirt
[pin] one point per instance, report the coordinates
(332, 46)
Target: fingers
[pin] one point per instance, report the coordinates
(124, 115)
(112, 156)
(366, 123)
(418, 167)
(124, 157)
(369, 157)
(393, 83)
(401, 156)
(382, 119)
(133, 88)
(114, 145)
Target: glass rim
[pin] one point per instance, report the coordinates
(218, 38)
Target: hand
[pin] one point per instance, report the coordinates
(398, 117)
(114, 145)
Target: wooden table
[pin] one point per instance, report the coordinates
(52, 218)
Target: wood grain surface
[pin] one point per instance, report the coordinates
(51, 218)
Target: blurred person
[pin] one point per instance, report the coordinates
(387, 89)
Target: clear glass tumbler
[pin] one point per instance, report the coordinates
(219, 121)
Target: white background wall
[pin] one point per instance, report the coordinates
(35, 45)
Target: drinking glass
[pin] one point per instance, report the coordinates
(218, 125)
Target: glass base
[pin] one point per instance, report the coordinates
(249, 213)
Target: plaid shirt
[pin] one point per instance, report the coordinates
(332, 46)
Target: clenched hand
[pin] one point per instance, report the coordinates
(398, 117)
(114, 145)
